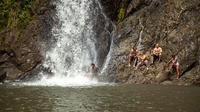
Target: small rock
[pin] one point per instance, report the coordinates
(162, 76)
(3, 77)
(167, 83)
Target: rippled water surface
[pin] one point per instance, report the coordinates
(104, 98)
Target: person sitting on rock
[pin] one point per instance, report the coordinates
(94, 71)
(174, 64)
(143, 61)
(157, 52)
(133, 56)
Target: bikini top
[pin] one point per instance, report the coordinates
(174, 60)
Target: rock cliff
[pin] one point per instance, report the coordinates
(174, 24)
(25, 26)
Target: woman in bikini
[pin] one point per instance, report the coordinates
(174, 64)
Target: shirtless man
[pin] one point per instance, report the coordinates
(143, 61)
(133, 56)
(157, 52)
(94, 71)
(174, 63)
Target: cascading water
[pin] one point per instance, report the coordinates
(75, 39)
(139, 45)
(74, 49)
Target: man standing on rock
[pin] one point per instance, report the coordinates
(157, 52)
(143, 61)
(133, 56)
(174, 64)
(94, 71)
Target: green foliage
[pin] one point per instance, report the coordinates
(3, 16)
(121, 14)
(23, 19)
(15, 13)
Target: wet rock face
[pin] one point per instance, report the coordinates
(21, 50)
(111, 8)
(3, 77)
(103, 29)
(174, 24)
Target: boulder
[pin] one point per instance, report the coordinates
(3, 77)
(162, 76)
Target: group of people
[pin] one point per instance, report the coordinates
(140, 60)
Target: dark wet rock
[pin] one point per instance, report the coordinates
(103, 28)
(162, 76)
(111, 8)
(174, 24)
(3, 77)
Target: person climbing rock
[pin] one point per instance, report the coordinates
(174, 64)
(133, 56)
(143, 61)
(94, 71)
(157, 52)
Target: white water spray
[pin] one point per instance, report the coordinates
(108, 57)
(74, 49)
(139, 45)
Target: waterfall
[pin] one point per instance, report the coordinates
(74, 50)
(108, 57)
(139, 45)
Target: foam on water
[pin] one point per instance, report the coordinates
(77, 81)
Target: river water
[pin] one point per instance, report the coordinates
(99, 98)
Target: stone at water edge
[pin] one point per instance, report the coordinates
(162, 76)
(167, 83)
(3, 77)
